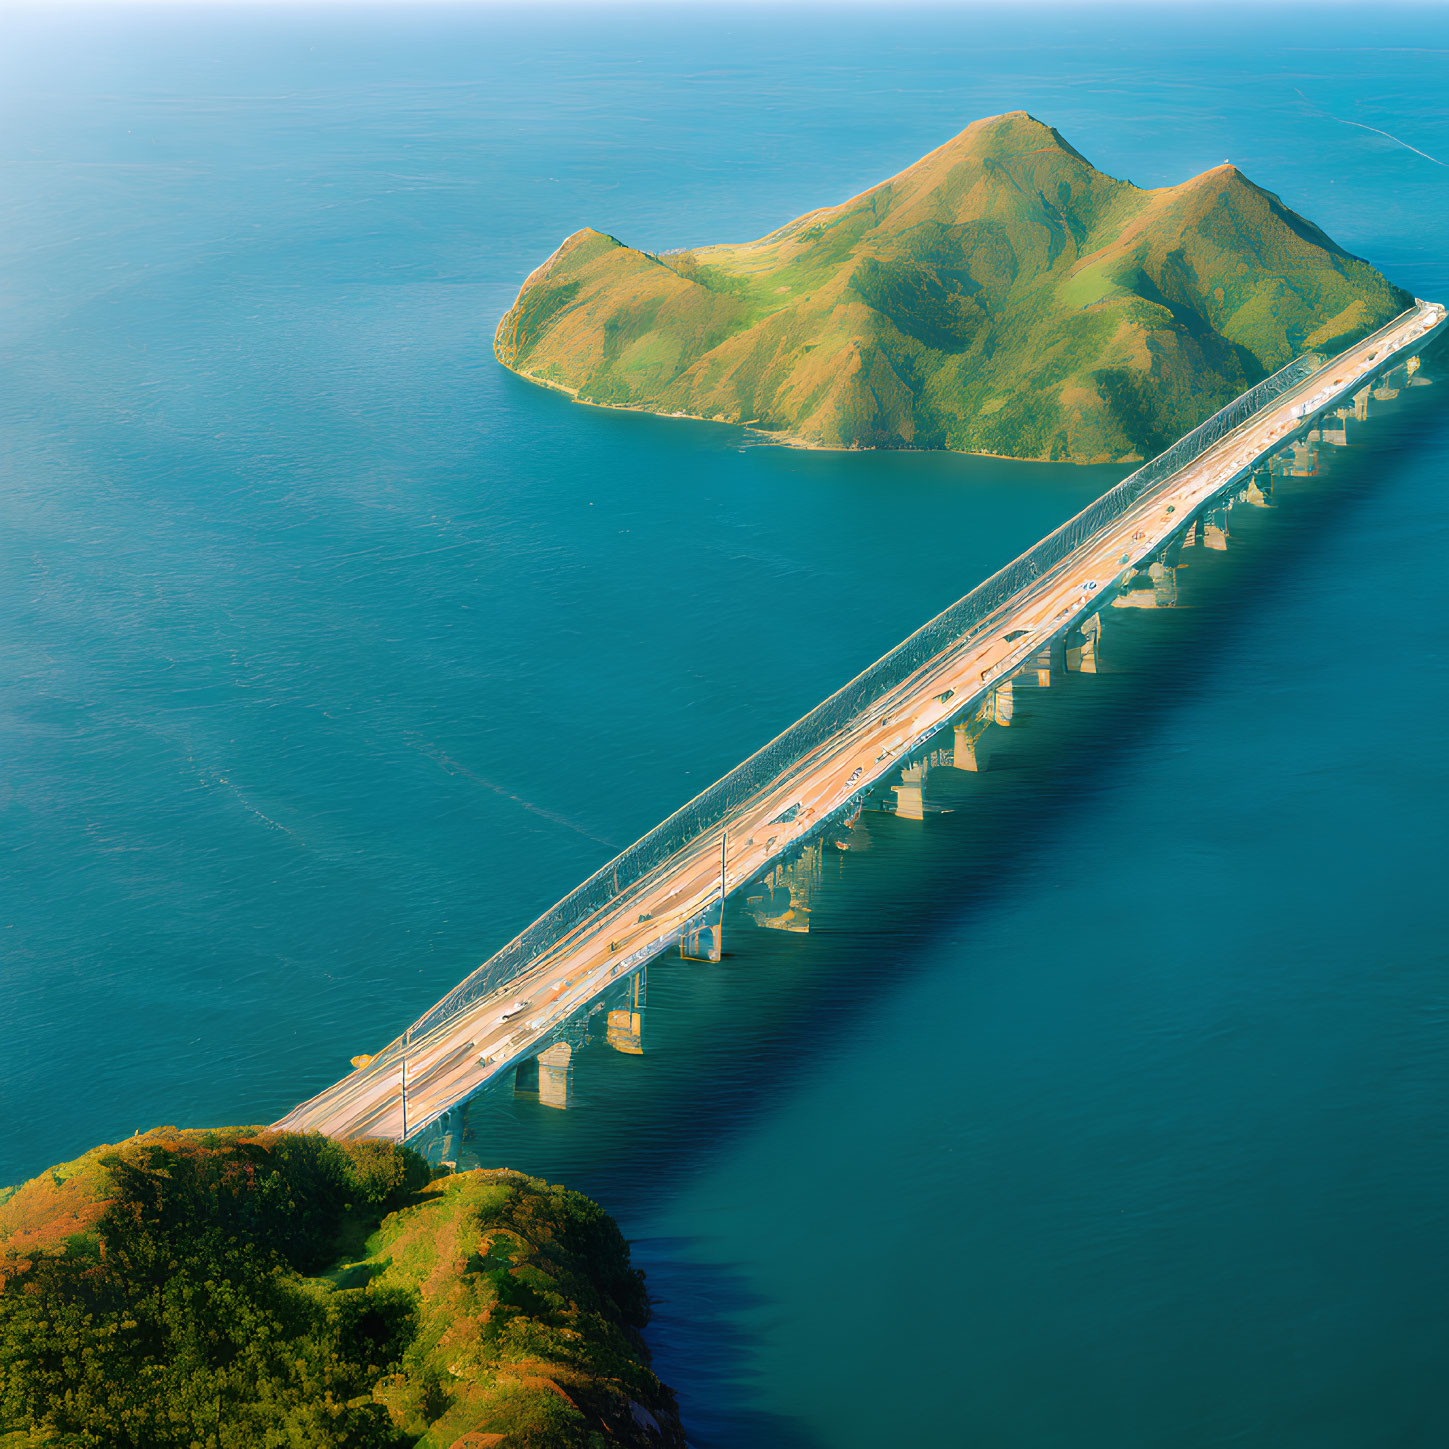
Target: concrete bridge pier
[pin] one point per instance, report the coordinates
(1041, 664)
(1164, 583)
(1389, 383)
(625, 1029)
(702, 943)
(1332, 428)
(1154, 587)
(1084, 646)
(1209, 530)
(556, 1076)
(549, 1076)
(1361, 403)
(454, 1124)
(781, 900)
(1259, 492)
(1298, 459)
(971, 749)
(1000, 706)
(911, 792)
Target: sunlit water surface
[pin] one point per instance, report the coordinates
(1108, 1109)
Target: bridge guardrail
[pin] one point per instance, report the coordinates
(707, 810)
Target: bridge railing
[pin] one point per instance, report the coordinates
(707, 810)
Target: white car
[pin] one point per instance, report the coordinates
(510, 1012)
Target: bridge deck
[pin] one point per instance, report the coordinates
(456, 1058)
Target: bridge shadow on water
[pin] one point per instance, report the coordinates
(724, 1044)
(702, 1337)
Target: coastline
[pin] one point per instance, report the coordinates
(795, 440)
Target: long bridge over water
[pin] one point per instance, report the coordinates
(514, 1017)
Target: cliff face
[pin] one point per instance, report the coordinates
(242, 1287)
(1002, 295)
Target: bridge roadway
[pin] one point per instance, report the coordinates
(456, 1058)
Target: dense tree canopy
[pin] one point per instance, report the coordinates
(220, 1289)
(181, 1317)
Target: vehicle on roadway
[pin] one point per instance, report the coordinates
(509, 1012)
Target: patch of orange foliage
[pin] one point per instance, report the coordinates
(68, 1201)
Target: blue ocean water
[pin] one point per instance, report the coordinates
(1111, 1109)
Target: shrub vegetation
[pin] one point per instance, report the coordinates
(245, 1288)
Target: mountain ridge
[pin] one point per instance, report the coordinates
(999, 295)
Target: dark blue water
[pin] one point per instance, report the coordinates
(1110, 1110)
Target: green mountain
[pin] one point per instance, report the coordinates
(246, 1288)
(1002, 296)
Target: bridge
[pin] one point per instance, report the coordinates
(513, 1017)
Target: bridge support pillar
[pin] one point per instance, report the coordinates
(1209, 530)
(781, 901)
(1084, 646)
(1164, 584)
(702, 943)
(454, 1125)
(911, 792)
(1000, 704)
(1154, 587)
(625, 1031)
(1361, 403)
(1332, 429)
(1042, 663)
(971, 752)
(556, 1076)
(1259, 492)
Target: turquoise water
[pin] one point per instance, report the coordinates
(1106, 1110)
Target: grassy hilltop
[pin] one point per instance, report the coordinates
(246, 1288)
(1002, 295)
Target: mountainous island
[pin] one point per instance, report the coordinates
(246, 1288)
(1000, 296)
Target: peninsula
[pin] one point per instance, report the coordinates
(1000, 296)
(246, 1287)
